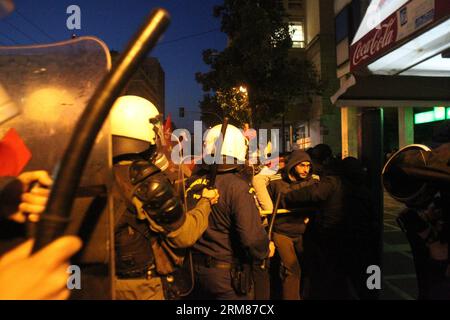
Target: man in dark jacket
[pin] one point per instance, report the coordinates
(361, 227)
(289, 228)
(326, 277)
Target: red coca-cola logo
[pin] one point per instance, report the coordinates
(376, 41)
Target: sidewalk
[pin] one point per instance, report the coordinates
(399, 282)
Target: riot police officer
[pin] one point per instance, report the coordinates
(235, 236)
(419, 177)
(151, 226)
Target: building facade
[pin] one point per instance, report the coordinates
(148, 82)
(312, 25)
(324, 119)
(348, 15)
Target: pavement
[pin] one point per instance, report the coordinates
(399, 278)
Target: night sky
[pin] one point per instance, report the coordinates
(192, 30)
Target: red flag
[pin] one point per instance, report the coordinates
(14, 154)
(168, 125)
(167, 130)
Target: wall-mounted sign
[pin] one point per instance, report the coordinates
(437, 114)
(407, 20)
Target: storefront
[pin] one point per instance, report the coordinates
(399, 58)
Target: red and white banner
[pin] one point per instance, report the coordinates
(405, 22)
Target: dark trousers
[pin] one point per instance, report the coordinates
(325, 275)
(214, 284)
(359, 252)
(261, 278)
(433, 284)
(290, 251)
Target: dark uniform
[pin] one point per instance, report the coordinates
(234, 239)
(151, 230)
(426, 221)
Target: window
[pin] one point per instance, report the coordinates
(347, 21)
(342, 25)
(297, 34)
(301, 139)
(355, 18)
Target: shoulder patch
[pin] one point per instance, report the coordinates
(197, 185)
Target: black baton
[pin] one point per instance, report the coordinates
(265, 262)
(218, 155)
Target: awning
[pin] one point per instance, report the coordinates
(395, 36)
(392, 91)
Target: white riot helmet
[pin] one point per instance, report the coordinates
(135, 125)
(234, 145)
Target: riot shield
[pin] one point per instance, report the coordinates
(398, 183)
(415, 173)
(51, 86)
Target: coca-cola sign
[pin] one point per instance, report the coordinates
(375, 42)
